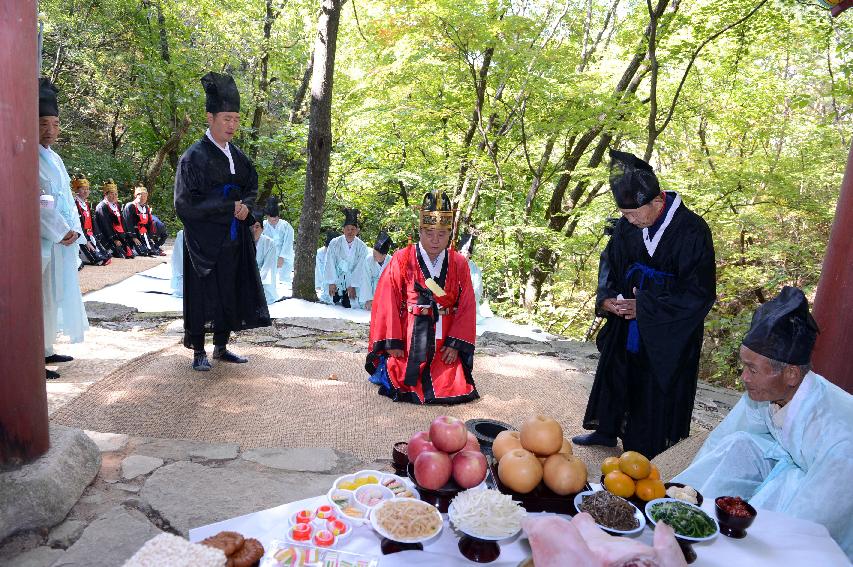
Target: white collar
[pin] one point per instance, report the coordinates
(652, 244)
(434, 268)
(226, 150)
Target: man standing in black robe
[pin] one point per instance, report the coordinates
(215, 187)
(656, 284)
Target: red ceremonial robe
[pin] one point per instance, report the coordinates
(404, 316)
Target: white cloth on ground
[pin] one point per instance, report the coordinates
(802, 468)
(62, 302)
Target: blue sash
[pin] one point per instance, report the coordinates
(633, 342)
(228, 192)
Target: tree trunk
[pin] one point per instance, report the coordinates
(319, 149)
(263, 82)
(170, 147)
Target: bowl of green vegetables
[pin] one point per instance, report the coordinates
(689, 522)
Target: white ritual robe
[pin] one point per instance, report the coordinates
(342, 260)
(62, 301)
(266, 255)
(367, 276)
(477, 283)
(282, 235)
(320, 276)
(178, 265)
(800, 465)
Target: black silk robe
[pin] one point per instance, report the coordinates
(646, 398)
(222, 288)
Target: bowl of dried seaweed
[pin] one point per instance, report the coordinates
(613, 514)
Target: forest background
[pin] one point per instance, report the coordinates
(742, 106)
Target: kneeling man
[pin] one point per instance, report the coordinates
(788, 443)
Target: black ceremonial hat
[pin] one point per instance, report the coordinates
(466, 242)
(331, 235)
(783, 329)
(351, 217)
(47, 98)
(221, 93)
(383, 243)
(632, 180)
(272, 208)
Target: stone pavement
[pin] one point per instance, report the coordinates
(145, 486)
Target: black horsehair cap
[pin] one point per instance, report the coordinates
(783, 329)
(383, 243)
(47, 98)
(272, 207)
(221, 94)
(632, 180)
(351, 217)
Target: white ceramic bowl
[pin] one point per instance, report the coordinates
(473, 534)
(652, 503)
(363, 493)
(637, 514)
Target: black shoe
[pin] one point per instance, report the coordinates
(51, 375)
(594, 438)
(226, 355)
(201, 363)
(54, 358)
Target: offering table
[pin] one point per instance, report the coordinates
(773, 540)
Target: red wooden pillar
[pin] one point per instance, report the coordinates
(833, 306)
(23, 398)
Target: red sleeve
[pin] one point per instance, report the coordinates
(461, 334)
(386, 325)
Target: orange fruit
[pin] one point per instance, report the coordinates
(649, 489)
(609, 465)
(619, 483)
(634, 465)
(654, 474)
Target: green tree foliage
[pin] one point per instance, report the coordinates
(509, 106)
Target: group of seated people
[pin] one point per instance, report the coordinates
(346, 272)
(116, 232)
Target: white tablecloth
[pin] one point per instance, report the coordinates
(773, 540)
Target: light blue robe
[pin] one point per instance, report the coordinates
(342, 260)
(477, 284)
(802, 465)
(266, 255)
(62, 301)
(320, 276)
(367, 276)
(282, 235)
(178, 265)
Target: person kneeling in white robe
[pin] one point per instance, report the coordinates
(266, 255)
(788, 443)
(367, 274)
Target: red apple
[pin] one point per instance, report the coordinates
(448, 434)
(469, 468)
(433, 469)
(471, 445)
(418, 444)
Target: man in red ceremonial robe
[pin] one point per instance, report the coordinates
(423, 319)
(92, 252)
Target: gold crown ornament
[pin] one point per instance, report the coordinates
(139, 189)
(437, 211)
(110, 186)
(79, 181)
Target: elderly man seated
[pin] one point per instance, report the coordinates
(788, 443)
